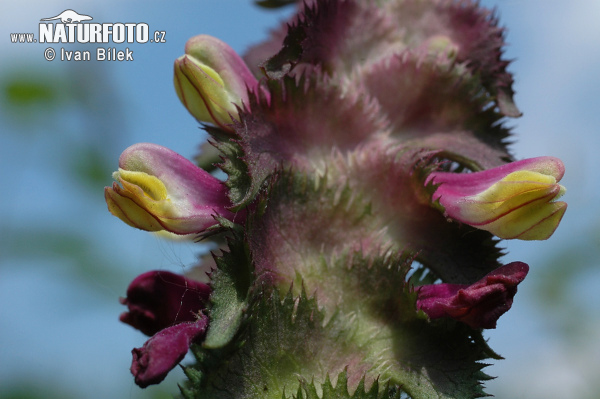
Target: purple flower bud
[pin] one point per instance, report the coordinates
(153, 361)
(159, 299)
(478, 305)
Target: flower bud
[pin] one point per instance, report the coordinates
(479, 304)
(161, 190)
(159, 299)
(168, 307)
(515, 200)
(211, 79)
(160, 354)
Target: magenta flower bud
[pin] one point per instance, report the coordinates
(160, 299)
(516, 200)
(160, 354)
(161, 190)
(480, 304)
(211, 80)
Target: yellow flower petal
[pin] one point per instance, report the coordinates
(534, 221)
(151, 185)
(130, 212)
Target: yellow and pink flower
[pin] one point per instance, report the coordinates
(516, 200)
(212, 80)
(157, 189)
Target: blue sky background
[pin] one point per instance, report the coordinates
(64, 260)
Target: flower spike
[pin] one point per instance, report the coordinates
(211, 80)
(161, 190)
(331, 135)
(515, 200)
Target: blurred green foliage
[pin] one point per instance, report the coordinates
(22, 91)
(30, 95)
(47, 103)
(52, 131)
